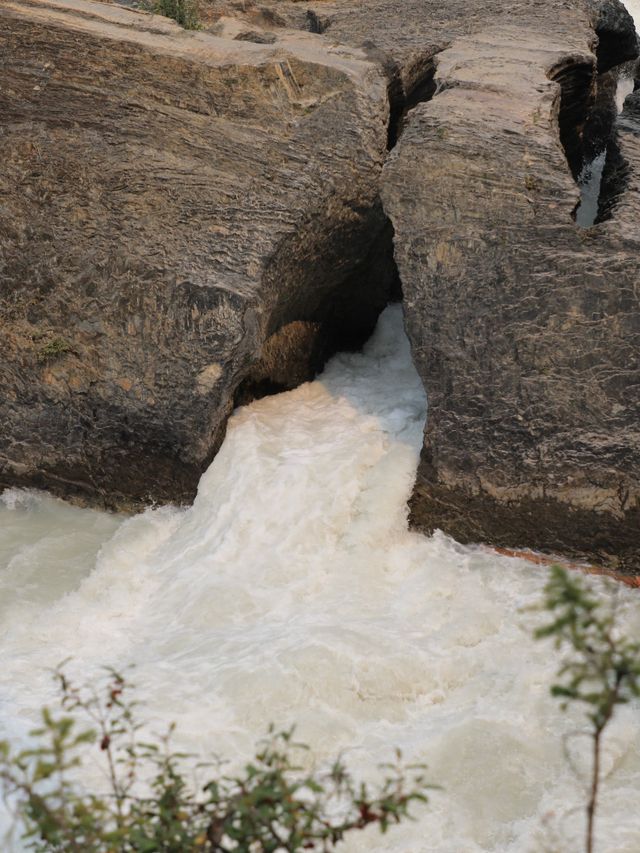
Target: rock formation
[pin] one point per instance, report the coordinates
(194, 219)
(171, 203)
(525, 327)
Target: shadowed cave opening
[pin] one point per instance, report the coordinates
(345, 319)
(342, 321)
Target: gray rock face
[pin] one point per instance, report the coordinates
(402, 36)
(189, 220)
(524, 327)
(171, 202)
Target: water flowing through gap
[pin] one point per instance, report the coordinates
(292, 592)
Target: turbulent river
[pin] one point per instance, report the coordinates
(292, 591)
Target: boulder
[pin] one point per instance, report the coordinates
(185, 221)
(524, 326)
(617, 38)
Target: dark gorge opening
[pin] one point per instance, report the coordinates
(342, 320)
(588, 114)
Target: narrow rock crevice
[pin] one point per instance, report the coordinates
(575, 76)
(406, 87)
(587, 121)
(421, 89)
(588, 113)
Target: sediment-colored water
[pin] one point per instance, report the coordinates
(292, 591)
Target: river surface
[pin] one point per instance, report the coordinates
(292, 591)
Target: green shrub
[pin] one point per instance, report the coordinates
(602, 669)
(271, 805)
(184, 12)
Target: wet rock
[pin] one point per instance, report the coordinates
(524, 327)
(172, 200)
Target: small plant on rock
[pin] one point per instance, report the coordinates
(53, 349)
(184, 12)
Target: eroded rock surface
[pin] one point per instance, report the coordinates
(171, 200)
(193, 219)
(524, 327)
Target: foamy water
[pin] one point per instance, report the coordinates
(633, 7)
(292, 592)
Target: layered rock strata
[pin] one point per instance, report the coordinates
(189, 220)
(525, 327)
(175, 206)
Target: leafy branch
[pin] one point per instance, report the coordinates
(149, 806)
(601, 671)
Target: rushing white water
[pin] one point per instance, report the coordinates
(292, 592)
(633, 7)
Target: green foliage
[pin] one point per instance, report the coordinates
(53, 349)
(184, 12)
(602, 669)
(150, 807)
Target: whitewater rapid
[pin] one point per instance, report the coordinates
(292, 591)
